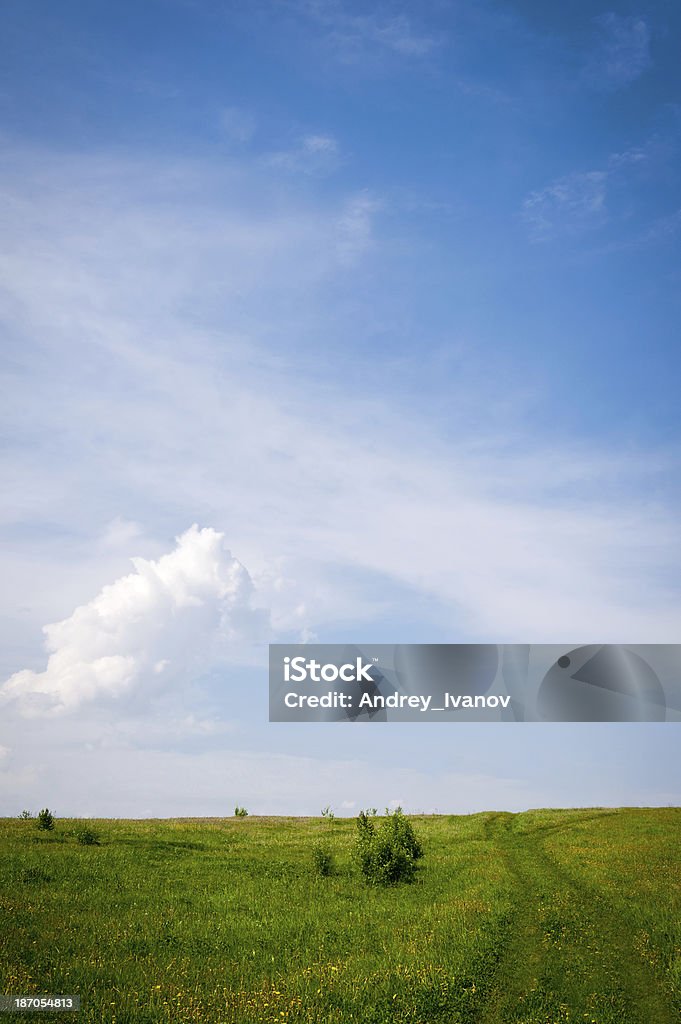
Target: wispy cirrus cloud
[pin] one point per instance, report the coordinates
(396, 33)
(315, 475)
(237, 125)
(315, 154)
(354, 36)
(621, 54)
(583, 201)
(153, 312)
(356, 227)
(568, 205)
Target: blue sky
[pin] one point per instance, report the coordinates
(385, 298)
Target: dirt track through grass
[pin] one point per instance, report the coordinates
(568, 946)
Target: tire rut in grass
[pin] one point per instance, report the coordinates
(643, 998)
(520, 961)
(567, 949)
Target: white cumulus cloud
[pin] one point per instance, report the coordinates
(162, 622)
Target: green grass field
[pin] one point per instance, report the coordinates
(540, 918)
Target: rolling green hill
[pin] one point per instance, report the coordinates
(539, 918)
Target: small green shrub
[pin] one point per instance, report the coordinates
(45, 820)
(25, 815)
(322, 860)
(388, 854)
(86, 836)
(240, 812)
(328, 814)
(401, 832)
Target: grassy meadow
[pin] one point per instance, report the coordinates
(539, 918)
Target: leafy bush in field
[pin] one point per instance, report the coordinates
(402, 834)
(387, 855)
(322, 859)
(45, 820)
(240, 812)
(25, 815)
(328, 814)
(86, 836)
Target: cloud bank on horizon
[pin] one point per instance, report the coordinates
(342, 293)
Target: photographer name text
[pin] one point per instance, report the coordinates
(377, 702)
